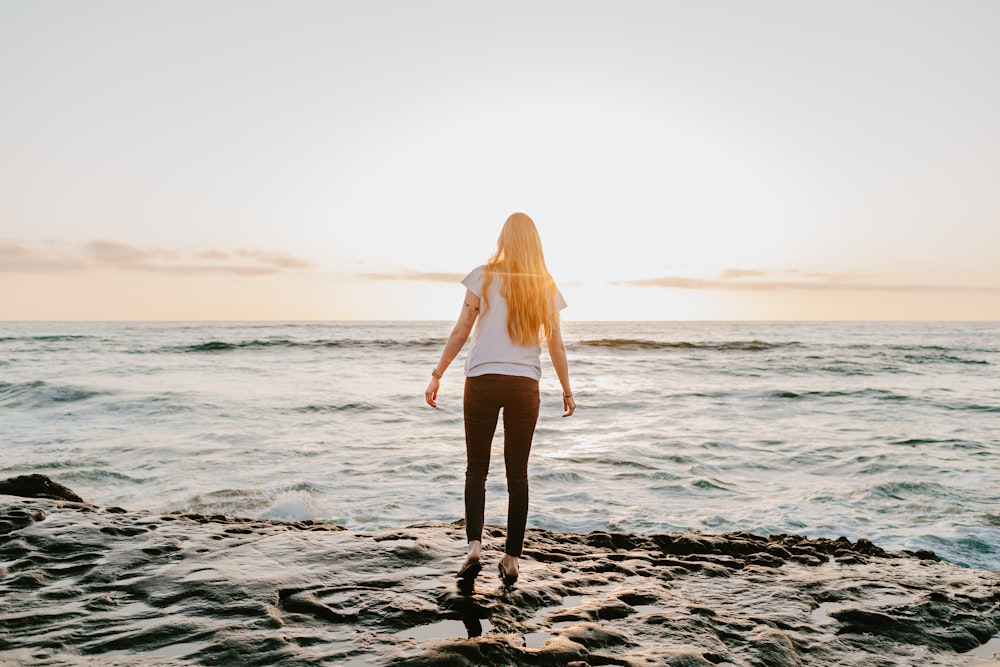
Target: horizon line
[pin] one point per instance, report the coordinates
(417, 321)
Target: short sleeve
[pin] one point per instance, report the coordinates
(560, 302)
(474, 281)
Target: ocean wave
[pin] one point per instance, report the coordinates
(157, 405)
(44, 339)
(40, 394)
(98, 476)
(942, 358)
(926, 354)
(712, 485)
(908, 492)
(970, 407)
(847, 372)
(293, 505)
(880, 394)
(343, 407)
(559, 476)
(954, 442)
(289, 502)
(381, 343)
(942, 349)
(644, 344)
(238, 502)
(70, 464)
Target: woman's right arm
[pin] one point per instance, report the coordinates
(557, 352)
(459, 334)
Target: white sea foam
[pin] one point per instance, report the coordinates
(293, 506)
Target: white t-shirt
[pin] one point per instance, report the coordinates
(492, 350)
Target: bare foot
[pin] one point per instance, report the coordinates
(471, 567)
(509, 565)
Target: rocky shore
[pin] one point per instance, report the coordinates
(82, 585)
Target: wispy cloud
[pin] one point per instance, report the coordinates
(276, 259)
(415, 276)
(18, 257)
(748, 280)
(111, 254)
(123, 255)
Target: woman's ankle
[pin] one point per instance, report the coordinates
(509, 563)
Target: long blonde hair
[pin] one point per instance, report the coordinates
(526, 284)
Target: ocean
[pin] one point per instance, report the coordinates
(887, 431)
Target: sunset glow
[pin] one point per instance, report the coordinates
(720, 160)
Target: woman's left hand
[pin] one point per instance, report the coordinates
(569, 405)
(432, 392)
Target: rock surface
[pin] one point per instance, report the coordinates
(86, 586)
(37, 486)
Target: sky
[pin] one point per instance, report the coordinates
(246, 160)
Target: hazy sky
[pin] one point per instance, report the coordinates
(327, 160)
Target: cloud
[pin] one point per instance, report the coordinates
(111, 254)
(17, 257)
(415, 276)
(742, 273)
(278, 259)
(748, 280)
(124, 255)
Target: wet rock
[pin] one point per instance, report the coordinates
(937, 621)
(597, 610)
(765, 560)
(775, 649)
(592, 635)
(304, 602)
(37, 486)
(563, 650)
(680, 657)
(80, 584)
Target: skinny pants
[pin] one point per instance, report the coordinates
(485, 396)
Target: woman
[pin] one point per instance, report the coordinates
(517, 304)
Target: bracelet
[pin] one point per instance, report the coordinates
(436, 374)
(569, 395)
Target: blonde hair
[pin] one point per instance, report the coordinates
(526, 284)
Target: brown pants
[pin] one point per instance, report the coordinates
(485, 395)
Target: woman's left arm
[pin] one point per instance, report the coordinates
(557, 352)
(459, 334)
